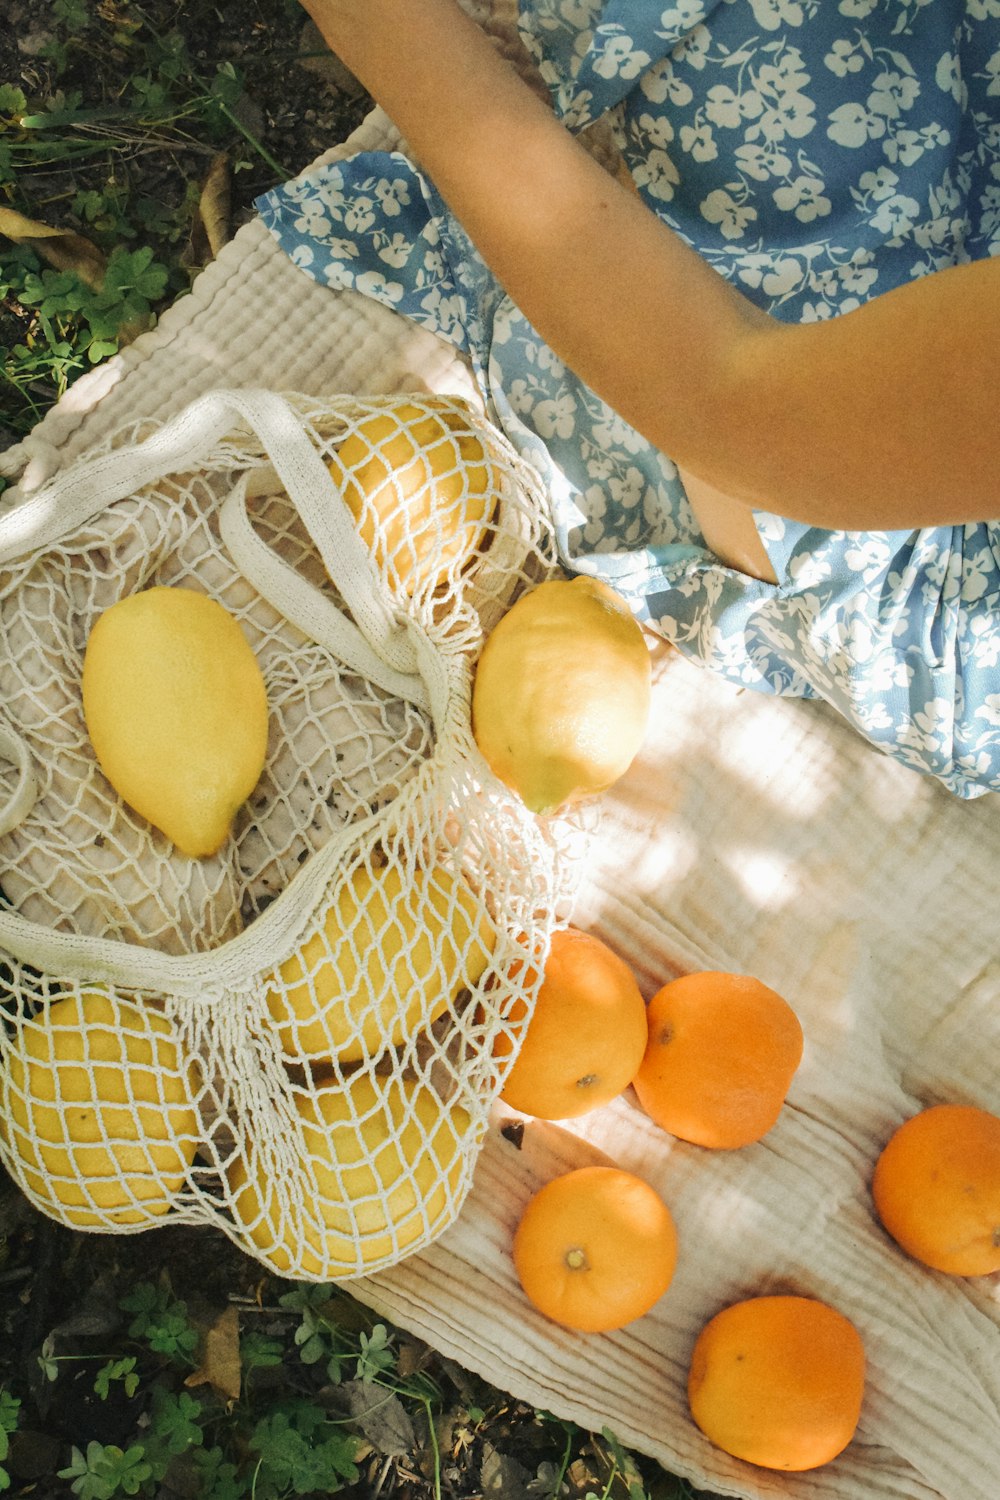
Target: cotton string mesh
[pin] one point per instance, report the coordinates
(292, 1039)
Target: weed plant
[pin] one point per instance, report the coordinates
(290, 1389)
(136, 136)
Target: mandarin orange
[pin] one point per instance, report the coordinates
(586, 1036)
(595, 1248)
(778, 1381)
(937, 1189)
(721, 1053)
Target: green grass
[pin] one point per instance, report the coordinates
(274, 1390)
(139, 132)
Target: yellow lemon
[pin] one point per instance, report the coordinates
(176, 711)
(385, 964)
(98, 1110)
(421, 488)
(560, 701)
(383, 1161)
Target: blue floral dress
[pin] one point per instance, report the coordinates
(817, 154)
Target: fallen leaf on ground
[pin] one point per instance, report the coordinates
(503, 1478)
(220, 1360)
(214, 203)
(62, 248)
(381, 1416)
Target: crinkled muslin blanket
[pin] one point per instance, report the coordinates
(817, 155)
(754, 833)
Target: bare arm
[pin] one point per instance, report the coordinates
(884, 417)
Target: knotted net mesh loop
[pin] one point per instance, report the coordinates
(292, 1039)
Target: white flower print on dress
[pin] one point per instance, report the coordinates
(762, 162)
(359, 215)
(867, 552)
(930, 726)
(663, 84)
(374, 284)
(693, 50)
(619, 58)
(804, 197)
(993, 74)
(877, 186)
(699, 142)
(395, 251)
(393, 196)
(853, 125)
(985, 638)
(313, 221)
(948, 75)
(659, 129)
(844, 57)
(729, 110)
(658, 175)
(792, 114)
(989, 709)
(893, 93)
(977, 575)
(678, 18)
(783, 276)
(720, 207)
(770, 14)
(555, 417)
(895, 216)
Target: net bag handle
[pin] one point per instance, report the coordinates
(18, 804)
(379, 642)
(383, 646)
(304, 605)
(380, 636)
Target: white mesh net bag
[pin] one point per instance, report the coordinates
(292, 1039)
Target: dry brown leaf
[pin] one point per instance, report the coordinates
(502, 1477)
(214, 203)
(62, 248)
(220, 1360)
(382, 1418)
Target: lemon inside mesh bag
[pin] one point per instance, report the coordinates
(392, 952)
(375, 849)
(98, 1109)
(386, 1166)
(421, 488)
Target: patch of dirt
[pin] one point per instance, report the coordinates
(171, 119)
(298, 102)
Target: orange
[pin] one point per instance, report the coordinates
(586, 1036)
(778, 1381)
(722, 1051)
(595, 1249)
(937, 1189)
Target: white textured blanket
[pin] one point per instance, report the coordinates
(752, 834)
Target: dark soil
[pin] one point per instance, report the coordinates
(164, 118)
(298, 100)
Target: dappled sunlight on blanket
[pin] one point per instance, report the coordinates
(767, 877)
